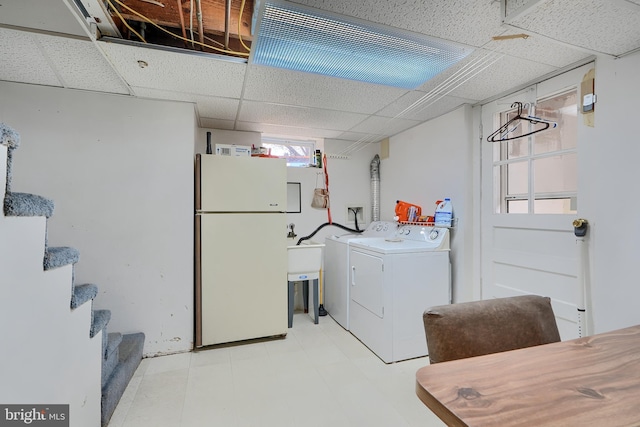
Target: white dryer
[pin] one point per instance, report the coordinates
(392, 281)
(336, 268)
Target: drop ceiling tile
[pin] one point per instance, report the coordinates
(601, 25)
(420, 106)
(218, 108)
(463, 21)
(383, 126)
(51, 15)
(287, 130)
(176, 71)
(504, 75)
(216, 124)
(290, 115)
(493, 74)
(212, 107)
(80, 64)
(538, 49)
(514, 5)
(313, 90)
(145, 92)
(466, 70)
(21, 60)
(335, 145)
(352, 136)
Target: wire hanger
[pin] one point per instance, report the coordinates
(499, 134)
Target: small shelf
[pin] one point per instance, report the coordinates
(454, 222)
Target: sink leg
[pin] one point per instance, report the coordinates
(305, 295)
(316, 296)
(290, 296)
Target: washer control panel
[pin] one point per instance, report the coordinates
(438, 237)
(380, 229)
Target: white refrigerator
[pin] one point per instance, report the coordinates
(240, 247)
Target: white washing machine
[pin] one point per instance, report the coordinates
(392, 281)
(336, 268)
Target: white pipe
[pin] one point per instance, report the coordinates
(582, 295)
(582, 277)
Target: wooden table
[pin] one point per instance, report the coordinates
(591, 381)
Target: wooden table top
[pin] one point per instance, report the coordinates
(591, 381)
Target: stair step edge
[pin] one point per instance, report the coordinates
(114, 340)
(25, 204)
(99, 320)
(82, 294)
(59, 256)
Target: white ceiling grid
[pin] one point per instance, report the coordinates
(607, 26)
(238, 96)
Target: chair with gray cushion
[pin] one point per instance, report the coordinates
(458, 331)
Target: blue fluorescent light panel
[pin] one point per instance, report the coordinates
(299, 38)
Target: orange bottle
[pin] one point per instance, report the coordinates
(407, 211)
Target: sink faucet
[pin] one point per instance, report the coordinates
(291, 234)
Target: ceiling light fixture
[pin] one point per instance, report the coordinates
(300, 38)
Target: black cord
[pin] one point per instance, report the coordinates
(355, 216)
(324, 225)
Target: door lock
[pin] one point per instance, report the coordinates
(580, 227)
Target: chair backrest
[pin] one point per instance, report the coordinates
(457, 331)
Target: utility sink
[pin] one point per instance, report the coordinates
(304, 258)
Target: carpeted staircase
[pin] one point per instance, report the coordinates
(120, 354)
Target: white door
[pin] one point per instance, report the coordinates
(530, 199)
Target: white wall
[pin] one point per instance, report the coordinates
(349, 183)
(120, 171)
(608, 162)
(219, 136)
(428, 163)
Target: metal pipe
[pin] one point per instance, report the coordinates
(227, 22)
(374, 169)
(200, 25)
(184, 30)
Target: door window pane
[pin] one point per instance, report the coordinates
(518, 206)
(556, 174)
(541, 166)
(516, 147)
(561, 109)
(518, 178)
(554, 206)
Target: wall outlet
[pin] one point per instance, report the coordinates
(352, 211)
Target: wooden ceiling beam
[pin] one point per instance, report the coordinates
(213, 15)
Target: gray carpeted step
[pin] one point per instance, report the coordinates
(25, 204)
(82, 294)
(130, 350)
(99, 321)
(55, 257)
(111, 356)
(11, 139)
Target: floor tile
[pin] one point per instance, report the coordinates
(318, 375)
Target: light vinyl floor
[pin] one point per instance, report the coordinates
(319, 375)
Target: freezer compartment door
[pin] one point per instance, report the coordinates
(243, 277)
(240, 184)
